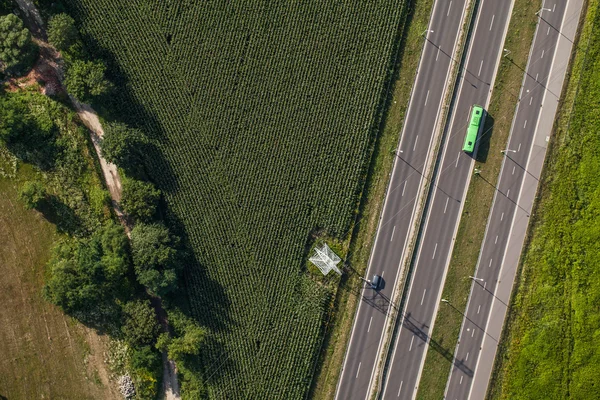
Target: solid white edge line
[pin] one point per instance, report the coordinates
(437, 303)
(397, 340)
(385, 204)
(520, 192)
(512, 3)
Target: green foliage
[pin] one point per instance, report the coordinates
(155, 258)
(183, 348)
(144, 362)
(145, 366)
(27, 122)
(32, 193)
(141, 326)
(85, 80)
(17, 51)
(122, 145)
(88, 275)
(6, 6)
(42, 131)
(260, 139)
(139, 199)
(62, 32)
(553, 348)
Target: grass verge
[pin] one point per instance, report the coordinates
(548, 345)
(479, 199)
(45, 354)
(348, 293)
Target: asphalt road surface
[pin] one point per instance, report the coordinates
(445, 208)
(514, 198)
(397, 217)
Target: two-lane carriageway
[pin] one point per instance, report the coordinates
(431, 84)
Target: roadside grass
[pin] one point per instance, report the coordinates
(349, 292)
(479, 200)
(548, 347)
(45, 354)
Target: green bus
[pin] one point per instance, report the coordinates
(473, 129)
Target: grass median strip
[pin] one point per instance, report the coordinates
(348, 294)
(479, 199)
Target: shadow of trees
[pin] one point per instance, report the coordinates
(61, 215)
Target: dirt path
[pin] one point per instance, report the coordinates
(111, 174)
(51, 60)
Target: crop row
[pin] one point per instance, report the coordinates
(263, 114)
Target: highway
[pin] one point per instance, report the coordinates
(424, 112)
(445, 207)
(513, 200)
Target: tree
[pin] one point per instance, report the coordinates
(28, 117)
(62, 32)
(32, 193)
(85, 80)
(183, 348)
(155, 259)
(140, 327)
(139, 199)
(87, 274)
(122, 145)
(17, 51)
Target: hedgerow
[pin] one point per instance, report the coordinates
(262, 116)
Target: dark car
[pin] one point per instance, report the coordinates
(376, 282)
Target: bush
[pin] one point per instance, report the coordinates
(122, 145)
(140, 327)
(145, 365)
(155, 259)
(85, 80)
(140, 199)
(183, 348)
(32, 193)
(17, 51)
(62, 32)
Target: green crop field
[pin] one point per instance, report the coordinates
(551, 350)
(264, 116)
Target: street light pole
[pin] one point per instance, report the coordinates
(426, 31)
(506, 52)
(477, 279)
(538, 13)
(506, 150)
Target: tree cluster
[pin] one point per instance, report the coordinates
(85, 79)
(123, 146)
(155, 258)
(88, 276)
(17, 50)
(139, 199)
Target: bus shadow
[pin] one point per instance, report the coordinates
(483, 142)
